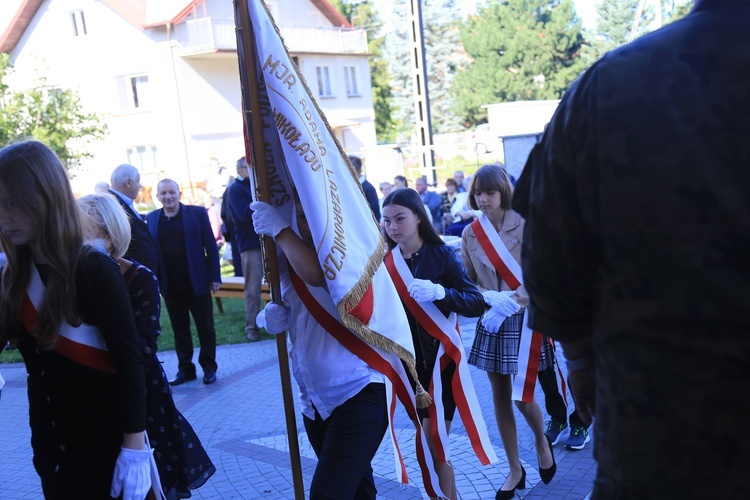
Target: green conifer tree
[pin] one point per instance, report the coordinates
(521, 50)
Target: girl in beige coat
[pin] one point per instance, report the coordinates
(496, 344)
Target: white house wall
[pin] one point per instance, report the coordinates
(294, 12)
(298, 13)
(212, 109)
(91, 64)
(520, 117)
(196, 110)
(342, 109)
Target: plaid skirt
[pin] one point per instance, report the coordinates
(497, 352)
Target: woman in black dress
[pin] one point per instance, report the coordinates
(182, 461)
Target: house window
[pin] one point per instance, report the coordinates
(143, 158)
(350, 74)
(134, 92)
(79, 23)
(324, 81)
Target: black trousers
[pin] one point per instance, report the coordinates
(346, 443)
(553, 400)
(180, 307)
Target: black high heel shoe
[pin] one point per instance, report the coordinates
(508, 494)
(548, 474)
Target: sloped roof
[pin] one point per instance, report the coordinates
(143, 14)
(331, 13)
(18, 24)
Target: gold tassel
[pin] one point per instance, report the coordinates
(423, 399)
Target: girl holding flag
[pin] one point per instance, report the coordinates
(66, 307)
(491, 254)
(433, 287)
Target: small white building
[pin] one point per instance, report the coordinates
(518, 125)
(519, 117)
(164, 76)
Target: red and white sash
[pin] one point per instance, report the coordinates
(531, 341)
(83, 344)
(320, 305)
(432, 320)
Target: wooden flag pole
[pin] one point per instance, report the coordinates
(254, 123)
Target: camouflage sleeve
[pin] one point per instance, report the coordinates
(557, 195)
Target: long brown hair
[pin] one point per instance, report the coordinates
(37, 181)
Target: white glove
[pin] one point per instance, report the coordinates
(266, 219)
(425, 291)
(132, 474)
(493, 318)
(502, 300)
(274, 318)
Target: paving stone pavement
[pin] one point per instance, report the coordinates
(240, 420)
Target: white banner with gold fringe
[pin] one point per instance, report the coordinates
(305, 162)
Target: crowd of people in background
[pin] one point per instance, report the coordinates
(174, 252)
(625, 241)
(447, 206)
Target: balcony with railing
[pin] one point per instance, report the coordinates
(207, 35)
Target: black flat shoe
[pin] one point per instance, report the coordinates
(181, 378)
(209, 378)
(548, 474)
(508, 494)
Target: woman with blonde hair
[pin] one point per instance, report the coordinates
(65, 306)
(181, 460)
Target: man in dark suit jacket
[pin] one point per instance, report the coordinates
(126, 182)
(239, 196)
(188, 272)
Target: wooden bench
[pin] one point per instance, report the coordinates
(233, 287)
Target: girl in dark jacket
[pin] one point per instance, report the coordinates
(440, 278)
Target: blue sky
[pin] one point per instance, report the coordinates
(586, 11)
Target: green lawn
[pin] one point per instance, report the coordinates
(230, 326)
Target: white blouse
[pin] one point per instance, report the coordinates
(327, 373)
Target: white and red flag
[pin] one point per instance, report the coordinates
(301, 155)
